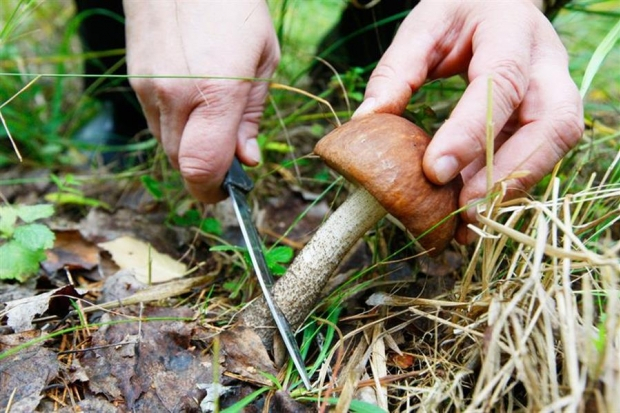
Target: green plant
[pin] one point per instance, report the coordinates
(24, 240)
(70, 193)
(275, 256)
(193, 218)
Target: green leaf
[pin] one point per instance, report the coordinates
(8, 218)
(153, 186)
(66, 198)
(274, 256)
(34, 237)
(211, 226)
(281, 254)
(277, 256)
(192, 218)
(280, 147)
(17, 262)
(276, 269)
(31, 213)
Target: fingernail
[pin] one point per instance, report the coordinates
(367, 106)
(252, 151)
(446, 168)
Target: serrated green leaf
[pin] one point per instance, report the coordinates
(31, 213)
(274, 257)
(34, 236)
(8, 218)
(281, 254)
(17, 262)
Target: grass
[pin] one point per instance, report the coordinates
(533, 318)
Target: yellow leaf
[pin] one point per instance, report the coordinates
(147, 264)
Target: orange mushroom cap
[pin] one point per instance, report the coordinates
(383, 153)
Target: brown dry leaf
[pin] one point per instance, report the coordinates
(71, 251)
(26, 373)
(151, 366)
(403, 361)
(246, 356)
(147, 264)
(21, 312)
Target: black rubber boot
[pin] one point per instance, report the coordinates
(120, 120)
(363, 33)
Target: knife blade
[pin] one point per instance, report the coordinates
(238, 184)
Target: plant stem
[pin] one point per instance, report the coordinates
(297, 292)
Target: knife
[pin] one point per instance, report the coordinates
(238, 184)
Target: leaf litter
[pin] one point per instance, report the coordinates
(122, 343)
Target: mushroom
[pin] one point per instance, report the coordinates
(382, 155)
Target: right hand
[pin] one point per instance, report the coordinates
(202, 122)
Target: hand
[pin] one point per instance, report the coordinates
(537, 110)
(202, 122)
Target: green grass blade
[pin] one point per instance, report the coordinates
(598, 57)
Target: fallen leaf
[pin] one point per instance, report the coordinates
(245, 355)
(147, 264)
(150, 365)
(71, 251)
(403, 361)
(26, 373)
(21, 312)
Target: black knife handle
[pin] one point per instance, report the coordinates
(237, 177)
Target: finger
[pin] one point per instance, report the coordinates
(417, 47)
(552, 115)
(209, 138)
(464, 235)
(248, 150)
(506, 61)
(171, 97)
(478, 164)
(143, 88)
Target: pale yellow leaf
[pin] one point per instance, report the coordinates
(147, 264)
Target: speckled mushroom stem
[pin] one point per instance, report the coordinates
(297, 291)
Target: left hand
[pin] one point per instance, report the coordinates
(537, 110)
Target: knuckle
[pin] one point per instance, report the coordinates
(568, 126)
(511, 79)
(165, 90)
(474, 131)
(383, 71)
(140, 85)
